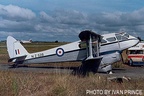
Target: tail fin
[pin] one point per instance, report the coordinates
(15, 49)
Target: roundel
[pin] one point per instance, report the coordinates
(60, 52)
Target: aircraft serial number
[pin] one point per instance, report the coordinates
(37, 55)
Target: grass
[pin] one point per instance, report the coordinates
(46, 84)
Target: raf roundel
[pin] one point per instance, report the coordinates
(60, 52)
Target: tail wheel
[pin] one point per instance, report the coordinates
(15, 65)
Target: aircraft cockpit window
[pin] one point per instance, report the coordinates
(122, 37)
(126, 35)
(111, 39)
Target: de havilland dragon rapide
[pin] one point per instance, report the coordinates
(98, 51)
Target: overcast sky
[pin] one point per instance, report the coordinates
(63, 20)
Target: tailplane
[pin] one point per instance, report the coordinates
(15, 49)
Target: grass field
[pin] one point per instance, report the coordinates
(16, 83)
(45, 84)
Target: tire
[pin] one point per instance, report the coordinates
(130, 62)
(143, 59)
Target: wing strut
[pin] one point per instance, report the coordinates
(93, 58)
(90, 49)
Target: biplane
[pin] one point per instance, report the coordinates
(98, 51)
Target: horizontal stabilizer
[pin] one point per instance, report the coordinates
(17, 59)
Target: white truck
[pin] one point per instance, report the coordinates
(136, 54)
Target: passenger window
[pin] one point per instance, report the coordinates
(124, 38)
(82, 45)
(103, 41)
(111, 39)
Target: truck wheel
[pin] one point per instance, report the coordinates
(143, 59)
(130, 62)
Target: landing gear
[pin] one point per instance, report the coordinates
(92, 61)
(90, 65)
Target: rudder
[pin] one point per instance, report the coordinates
(14, 48)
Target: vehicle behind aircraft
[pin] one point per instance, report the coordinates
(136, 54)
